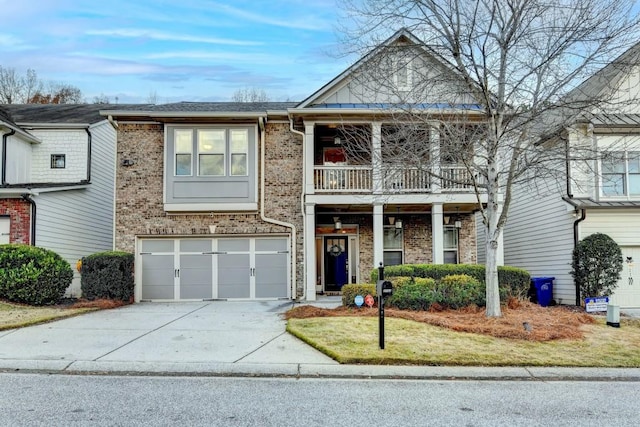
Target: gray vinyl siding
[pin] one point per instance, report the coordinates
(539, 237)
(622, 225)
(77, 223)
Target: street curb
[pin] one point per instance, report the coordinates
(328, 371)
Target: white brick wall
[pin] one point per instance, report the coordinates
(72, 143)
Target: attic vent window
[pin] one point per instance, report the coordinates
(58, 161)
(403, 74)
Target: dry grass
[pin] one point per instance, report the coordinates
(558, 336)
(543, 323)
(13, 315)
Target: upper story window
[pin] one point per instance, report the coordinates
(220, 152)
(621, 174)
(211, 168)
(58, 161)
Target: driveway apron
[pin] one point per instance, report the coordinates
(251, 332)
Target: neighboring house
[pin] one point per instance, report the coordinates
(260, 200)
(590, 196)
(57, 189)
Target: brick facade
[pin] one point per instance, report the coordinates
(19, 212)
(139, 191)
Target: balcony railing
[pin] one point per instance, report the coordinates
(343, 178)
(359, 179)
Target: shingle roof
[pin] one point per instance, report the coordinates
(58, 113)
(248, 107)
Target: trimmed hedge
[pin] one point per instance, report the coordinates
(108, 275)
(513, 281)
(33, 275)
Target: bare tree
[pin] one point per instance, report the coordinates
(101, 99)
(152, 98)
(29, 89)
(511, 71)
(251, 94)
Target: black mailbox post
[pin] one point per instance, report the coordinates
(384, 288)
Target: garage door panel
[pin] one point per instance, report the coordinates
(266, 245)
(157, 246)
(196, 279)
(234, 245)
(234, 276)
(271, 276)
(196, 245)
(158, 277)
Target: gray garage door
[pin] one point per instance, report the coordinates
(224, 268)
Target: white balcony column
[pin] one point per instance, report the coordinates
(434, 146)
(378, 234)
(437, 233)
(308, 143)
(310, 251)
(376, 157)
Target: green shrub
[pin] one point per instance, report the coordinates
(416, 295)
(460, 290)
(512, 281)
(33, 275)
(597, 263)
(349, 293)
(108, 275)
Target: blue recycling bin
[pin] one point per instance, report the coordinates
(544, 289)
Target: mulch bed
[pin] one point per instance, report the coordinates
(520, 320)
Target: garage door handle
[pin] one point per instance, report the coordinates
(176, 272)
(215, 253)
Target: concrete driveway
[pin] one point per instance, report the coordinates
(216, 335)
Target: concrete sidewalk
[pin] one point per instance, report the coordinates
(217, 338)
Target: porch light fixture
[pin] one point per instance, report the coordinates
(337, 141)
(458, 223)
(337, 224)
(447, 218)
(392, 220)
(398, 221)
(398, 224)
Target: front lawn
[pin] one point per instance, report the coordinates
(553, 336)
(19, 315)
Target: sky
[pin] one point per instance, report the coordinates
(186, 50)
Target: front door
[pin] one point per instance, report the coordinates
(336, 268)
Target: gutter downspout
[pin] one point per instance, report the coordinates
(27, 197)
(294, 243)
(89, 138)
(4, 155)
(583, 212)
(302, 206)
(583, 215)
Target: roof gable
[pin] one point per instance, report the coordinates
(400, 71)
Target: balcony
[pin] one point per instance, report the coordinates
(360, 179)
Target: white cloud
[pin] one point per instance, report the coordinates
(159, 35)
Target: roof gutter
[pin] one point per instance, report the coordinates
(294, 242)
(4, 156)
(27, 197)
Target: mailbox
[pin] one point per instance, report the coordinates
(384, 288)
